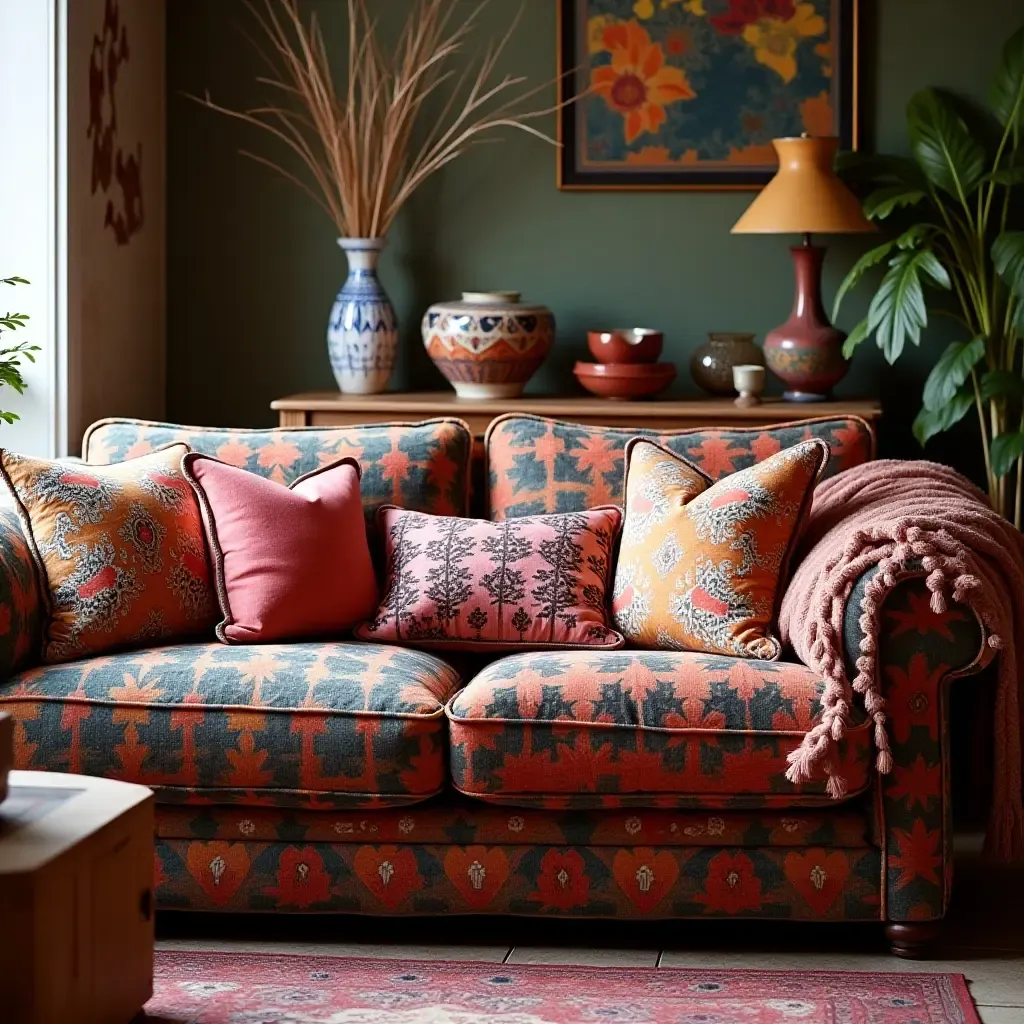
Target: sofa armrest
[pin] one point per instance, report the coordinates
(919, 652)
(20, 600)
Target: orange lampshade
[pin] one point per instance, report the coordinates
(805, 196)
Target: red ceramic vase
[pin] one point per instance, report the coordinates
(806, 352)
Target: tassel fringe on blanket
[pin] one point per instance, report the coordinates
(907, 518)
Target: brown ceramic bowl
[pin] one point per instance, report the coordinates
(625, 345)
(625, 381)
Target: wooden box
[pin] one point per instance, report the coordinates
(76, 900)
(6, 752)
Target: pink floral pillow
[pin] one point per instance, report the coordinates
(538, 581)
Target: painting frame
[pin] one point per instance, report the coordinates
(571, 18)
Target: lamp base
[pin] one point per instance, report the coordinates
(805, 396)
(806, 352)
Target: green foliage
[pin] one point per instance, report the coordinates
(931, 422)
(883, 201)
(898, 310)
(1006, 450)
(11, 356)
(870, 259)
(1001, 384)
(855, 337)
(1008, 258)
(951, 372)
(956, 254)
(950, 157)
(1007, 96)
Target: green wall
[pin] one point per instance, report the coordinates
(253, 265)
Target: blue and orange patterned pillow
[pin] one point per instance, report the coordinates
(119, 551)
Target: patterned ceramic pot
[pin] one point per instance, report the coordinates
(489, 344)
(362, 335)
(711, 363)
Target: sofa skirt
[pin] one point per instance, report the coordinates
(453, 856)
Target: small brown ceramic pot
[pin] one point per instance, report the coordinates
(626, 345)
(711, 363)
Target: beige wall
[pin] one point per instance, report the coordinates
(116, 211)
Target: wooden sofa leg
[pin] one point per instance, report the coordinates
(913, 941)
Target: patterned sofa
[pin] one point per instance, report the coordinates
(360, 778)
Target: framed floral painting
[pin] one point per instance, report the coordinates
(690, 93)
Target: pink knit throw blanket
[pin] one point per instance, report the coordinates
(904, 517)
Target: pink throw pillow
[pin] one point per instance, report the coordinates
(289, 562)
(538, 581)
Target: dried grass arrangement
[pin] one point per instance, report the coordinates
(366, 143)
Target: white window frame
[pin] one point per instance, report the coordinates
(33, 215)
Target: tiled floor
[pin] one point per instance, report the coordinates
(983, 939)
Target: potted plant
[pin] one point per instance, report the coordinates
(956, 255)
(11, 356)
(367, 140)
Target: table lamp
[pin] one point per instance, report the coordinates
(805, 197)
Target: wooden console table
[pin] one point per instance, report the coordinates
(331, 409)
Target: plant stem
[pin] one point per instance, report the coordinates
(984, 438)
(1011, 129)
(1017, 498)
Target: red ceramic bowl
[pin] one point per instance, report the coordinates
(624, 381)
(625, 345)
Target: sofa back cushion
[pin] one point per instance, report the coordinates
(423, 467)
(537, 466)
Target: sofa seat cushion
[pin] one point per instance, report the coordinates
(642, 729)
(313, 725)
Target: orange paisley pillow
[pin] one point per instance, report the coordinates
(119, 549)
(702, 565)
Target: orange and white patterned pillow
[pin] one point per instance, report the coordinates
(702, 566)
(119, 549)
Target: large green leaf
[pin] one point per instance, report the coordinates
(897, 312)
(930, 265)
(881, 203)
(867, 167)
(1008, 176)
(1007, 96)
(855, 337)
(915, 235)
(1001, 384)
(929, 422)
(951, 158)
(951, 371)
(1008, 258)
(1006, 450)
(870, 259)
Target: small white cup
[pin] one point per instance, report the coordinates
(749, 380)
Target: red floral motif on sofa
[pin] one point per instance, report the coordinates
(219, 868)
(389, 872)
(646, 876)
(819, 876)
(563, 883)
(301, 879)
(478, 872)
(732, 885)
(917, 854)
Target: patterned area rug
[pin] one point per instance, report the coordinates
(226, 988)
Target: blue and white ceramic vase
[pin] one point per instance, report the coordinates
(362, 335)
